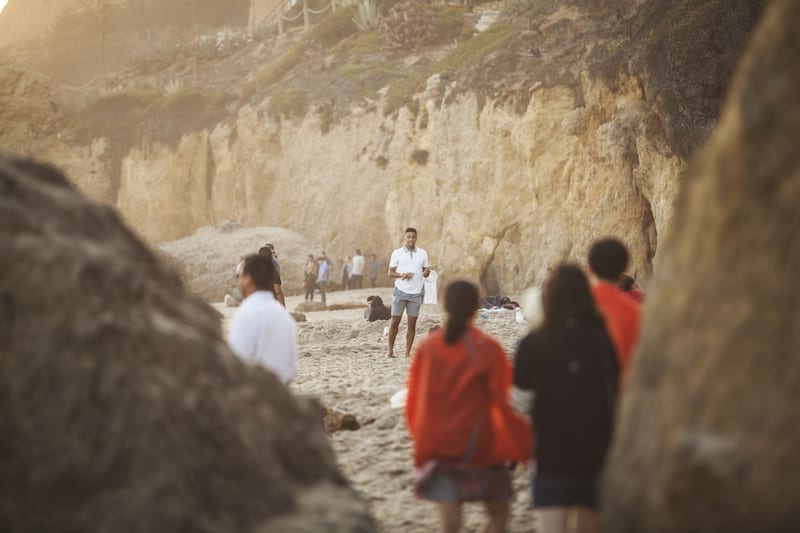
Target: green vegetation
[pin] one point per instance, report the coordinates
(448, 23)
(137, 116)
(531, 9)
(124, 116)
(470, 52)
(362, 44)
(289, 102)
(327, 33)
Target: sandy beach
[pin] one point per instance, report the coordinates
(343, 362)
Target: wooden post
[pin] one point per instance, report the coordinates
(306, 16)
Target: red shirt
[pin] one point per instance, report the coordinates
(452, 393)
(623, 317)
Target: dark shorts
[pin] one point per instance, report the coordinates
(563, 492)
(402, 301)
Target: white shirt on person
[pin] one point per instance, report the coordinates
(357, 267)
(264, 333)
(409, 261)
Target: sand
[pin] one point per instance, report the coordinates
(343, 362)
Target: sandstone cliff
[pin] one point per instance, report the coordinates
(560, 135)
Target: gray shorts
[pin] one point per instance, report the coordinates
(402, 301)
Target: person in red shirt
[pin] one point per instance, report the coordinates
(628, 285)
(463, 427)
(608, 259)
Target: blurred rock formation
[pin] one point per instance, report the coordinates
(707, 437)
(121, 407)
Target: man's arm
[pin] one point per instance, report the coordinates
(394, 274)
(276, 288)
(426, 267)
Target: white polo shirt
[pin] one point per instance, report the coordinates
(409, 261)
(263, 332)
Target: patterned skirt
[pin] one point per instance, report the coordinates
(447, 482)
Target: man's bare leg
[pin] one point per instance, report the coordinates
(410, 332)
(393, 327)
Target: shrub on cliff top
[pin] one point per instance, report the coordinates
(407, 26)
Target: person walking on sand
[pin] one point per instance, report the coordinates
(310, 278)
(570, 367)
(262, 331)
(346, 274)
(408, 266)
(277, 283)
(357, 271)
(373, 270)
(322, 277)
(608, 259)
(463, 428)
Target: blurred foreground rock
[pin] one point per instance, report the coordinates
(708, 437)
(121, 407)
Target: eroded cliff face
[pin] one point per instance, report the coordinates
(493, 194)
(500, 187)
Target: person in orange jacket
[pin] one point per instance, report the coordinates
(459, 417)
(608, 259)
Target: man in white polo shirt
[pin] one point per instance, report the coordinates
(407, 266)
(262, 331)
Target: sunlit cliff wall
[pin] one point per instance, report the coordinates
(496, 191)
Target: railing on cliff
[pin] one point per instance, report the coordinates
(278, 16)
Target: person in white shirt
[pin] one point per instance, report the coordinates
(408, 267)
(262, 331)
(357, 271)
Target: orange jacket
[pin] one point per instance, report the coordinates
(623, 317)
(452, 394)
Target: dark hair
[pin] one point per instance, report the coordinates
(625, 282)
(358, 252)
(608, 258)
(270, 246)
(567, 299)
(460, 302)
(261, 270)
(264, 252)
(410, 230)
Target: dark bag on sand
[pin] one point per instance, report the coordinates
(379, 312)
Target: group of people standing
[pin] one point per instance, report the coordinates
(318, 271)
(353, 269)
(567, 376)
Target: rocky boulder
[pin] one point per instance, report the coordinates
(121, 407)
(707, 437)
